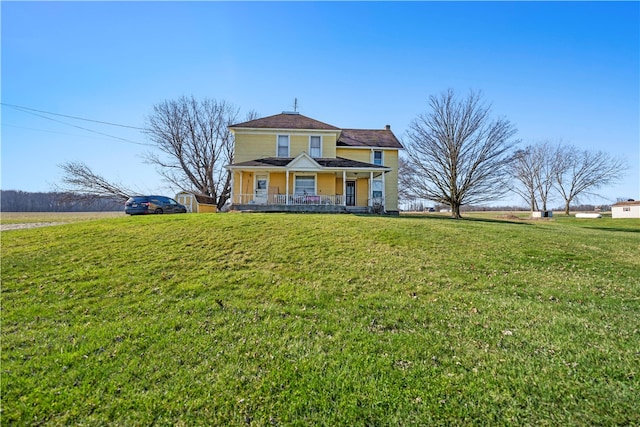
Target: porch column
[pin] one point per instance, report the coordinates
(384, 190)
(344, 188)
(371, 188)
(241, 186)
(287, 187)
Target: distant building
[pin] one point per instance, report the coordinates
(630, 209)
(196, 202)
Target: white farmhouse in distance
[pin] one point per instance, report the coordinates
(629, 209)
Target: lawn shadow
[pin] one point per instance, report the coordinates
(623, 230)
(510, 220)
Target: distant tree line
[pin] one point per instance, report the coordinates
(23, 201)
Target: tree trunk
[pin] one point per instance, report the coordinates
(566, 207)
(455, 211)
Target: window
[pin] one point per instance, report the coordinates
(283, 146)
(377, 189)
(626, 209)
(315, 146)
(305, 185)
(377, 158)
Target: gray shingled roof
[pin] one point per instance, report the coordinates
(285, 121)
(382, 138)
(338, 162)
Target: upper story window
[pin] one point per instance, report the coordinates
(377, 158)
(283, 146)
(315, 146)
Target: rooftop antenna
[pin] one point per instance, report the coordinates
(295, 105)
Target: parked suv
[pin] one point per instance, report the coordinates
(139, 205)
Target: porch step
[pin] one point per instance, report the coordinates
(359, 209)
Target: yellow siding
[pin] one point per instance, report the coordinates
(359, 155)
(204, 208)
(298, 144)
(326, 183)
(362, 192)
(391, 180)
(390, 158)
(246, 180)
(279, 180)
(329, 146)
(254, 145)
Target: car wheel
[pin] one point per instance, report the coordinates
(158, 211)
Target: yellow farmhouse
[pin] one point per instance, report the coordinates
(292, 163)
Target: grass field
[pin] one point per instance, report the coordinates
(275, 319)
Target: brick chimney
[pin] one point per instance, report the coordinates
(387, 127)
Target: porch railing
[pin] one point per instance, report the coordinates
(281, 199)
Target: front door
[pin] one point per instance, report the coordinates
(351, 193)
(261, 189)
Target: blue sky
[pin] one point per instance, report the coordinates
(565, 71)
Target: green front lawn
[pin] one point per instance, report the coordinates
(276, 319)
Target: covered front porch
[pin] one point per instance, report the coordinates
(305, 184)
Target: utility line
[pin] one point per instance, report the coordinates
(55, 132)
(27, 109)
(89, 130)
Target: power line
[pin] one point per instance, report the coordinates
(32, 111)
(61, 133)
(27, 109)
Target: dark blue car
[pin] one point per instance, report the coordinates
(141, 205)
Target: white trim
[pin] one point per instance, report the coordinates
(315, 136)
(370, 189)
(287, 185)
(373, 157)
(278, 145)
(233, 182)
(344, 187)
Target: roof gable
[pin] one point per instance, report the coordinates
(285, 121)
(304, 162)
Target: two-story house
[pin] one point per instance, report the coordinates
(290, 162)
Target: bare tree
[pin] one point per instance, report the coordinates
(534, 168)
(457, 154)
(523, 168)
(581, 172)
(195, 144)
(83, 184)
(405, 173)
